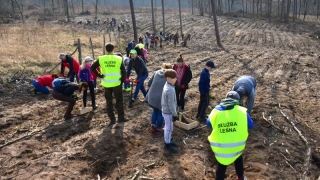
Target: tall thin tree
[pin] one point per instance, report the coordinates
(163, 19)
(216, 24)
(153, 22)
(133, 17)
(180, 17)
(66, 6)
(96, 10)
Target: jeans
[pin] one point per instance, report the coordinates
(126, 85)
(140, 86)
(157, 118)
(203, 105)
(95, 83)
(168, 127)
(180, 94)
(221, 169)
(72, 75)
(84, 97)
(42, 89)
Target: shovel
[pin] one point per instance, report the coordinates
(130, 102)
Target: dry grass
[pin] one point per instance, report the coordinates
(36, 48)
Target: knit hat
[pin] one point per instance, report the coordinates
(61, 55)
(133, 51)
(241, 91)
(233, 95)
(88, 58)
(210, 64)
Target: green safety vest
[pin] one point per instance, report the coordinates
(229, 133)
(110, 68)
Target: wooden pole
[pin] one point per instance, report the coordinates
(79, 50)
(104, 45)
(91, 48)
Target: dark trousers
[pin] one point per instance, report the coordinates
(117, 91)
(72, 75)
(221, 169)
(93, 98)
(203, 105)
(180, 94)
(61, 97)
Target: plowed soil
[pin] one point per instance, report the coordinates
(282, 57)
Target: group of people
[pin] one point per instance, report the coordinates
(165, 94)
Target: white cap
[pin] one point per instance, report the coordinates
(88, 58)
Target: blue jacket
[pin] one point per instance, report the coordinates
(220, 108)
(204, 82)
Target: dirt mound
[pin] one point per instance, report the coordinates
(284, 61)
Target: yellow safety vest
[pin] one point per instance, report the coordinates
(110, 68)
(229, 133)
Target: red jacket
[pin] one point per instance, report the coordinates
(45, 80)
(94, 76)
(72, 64)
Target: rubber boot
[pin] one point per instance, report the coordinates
(68, 114)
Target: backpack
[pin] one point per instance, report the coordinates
(85, 75)
(58, 82)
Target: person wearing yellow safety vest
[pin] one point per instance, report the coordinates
(113, 74)
(230, 123)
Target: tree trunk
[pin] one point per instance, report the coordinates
(288, 10)
(281, 10)
(257, 8)
(82, 9)
(163, 19)
(52, 3)
(96, 10)
(12, 6)
(242, 8)
(300, 8)
(215, 24)
(253, 9)
(191, 6)
(72, 6)
(133, 17)
(318, 9)
(20, 10)
(44, 9)
(270, 10)
(180, 18)
(260, 8)
(153, 23)
(66, 5)
(246, 7)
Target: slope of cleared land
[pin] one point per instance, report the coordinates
(282, 57)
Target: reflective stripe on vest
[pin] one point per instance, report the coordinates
(227, 155)
(229, 133)
(115, 74)
(227, 145)
(110, 66)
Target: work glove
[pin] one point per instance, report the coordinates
(136, 81)
(182, 86)
(127, 80)
(100, 75)
(174, 118)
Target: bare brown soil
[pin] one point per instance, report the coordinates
(282, 57)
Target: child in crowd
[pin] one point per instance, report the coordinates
(169, 109)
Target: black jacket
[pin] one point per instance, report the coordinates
(186, 77)
(138, 65)
(67, 89)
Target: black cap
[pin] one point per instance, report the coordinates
(210, 64)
